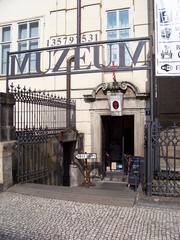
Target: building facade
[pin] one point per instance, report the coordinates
(28, 25)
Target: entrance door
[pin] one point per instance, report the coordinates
(117, 140)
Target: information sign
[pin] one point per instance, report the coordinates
(86, 156)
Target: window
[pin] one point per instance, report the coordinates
(5, 47)
(117, 28)
(28, 38)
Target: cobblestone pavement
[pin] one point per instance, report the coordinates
(29, 217)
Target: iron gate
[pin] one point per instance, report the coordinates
(162, 153)
(37, 117)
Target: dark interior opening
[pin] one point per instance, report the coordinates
(67, 158)
(117, 139)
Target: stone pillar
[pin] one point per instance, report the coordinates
(7, 130)
(76, 177)
(7, 134)
(6, 163)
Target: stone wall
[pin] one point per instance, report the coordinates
(6, 149)
(7, 130)
(7, 134)
(55, 161)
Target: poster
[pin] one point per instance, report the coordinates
(167, 37)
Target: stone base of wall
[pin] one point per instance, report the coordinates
(6, 179)
(76, 177)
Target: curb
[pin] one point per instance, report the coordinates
(156, 201)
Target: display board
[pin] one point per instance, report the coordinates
(167, 37)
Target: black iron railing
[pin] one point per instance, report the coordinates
(164, 158)
(37, 110)
(37, 117)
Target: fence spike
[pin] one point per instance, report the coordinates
(39, 111)
(11, 86)
(18, 88)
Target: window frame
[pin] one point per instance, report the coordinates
(28, 40)
(117, 29)
(4, 43)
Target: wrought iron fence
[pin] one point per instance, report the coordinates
(37, 116)
(37, 110)
(165, 159)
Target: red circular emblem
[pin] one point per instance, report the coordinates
(115, 104)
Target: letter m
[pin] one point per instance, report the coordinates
(136, 55)
(21, 63)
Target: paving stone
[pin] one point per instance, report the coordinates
(26, 217)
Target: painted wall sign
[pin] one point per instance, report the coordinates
(167, 37)
(88, 57)
(72, 39)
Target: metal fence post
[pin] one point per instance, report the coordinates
(150, 125)
(68, 91)
(149, 159)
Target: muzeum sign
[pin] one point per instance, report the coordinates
(132, 54)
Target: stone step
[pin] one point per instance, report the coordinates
(116, 177)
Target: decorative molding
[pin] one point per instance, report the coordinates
(115, 87)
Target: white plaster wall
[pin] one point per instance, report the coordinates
(91, 16)
(16, 10)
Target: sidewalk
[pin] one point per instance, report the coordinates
(40, 212)
(105, 193)
(157, 201)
